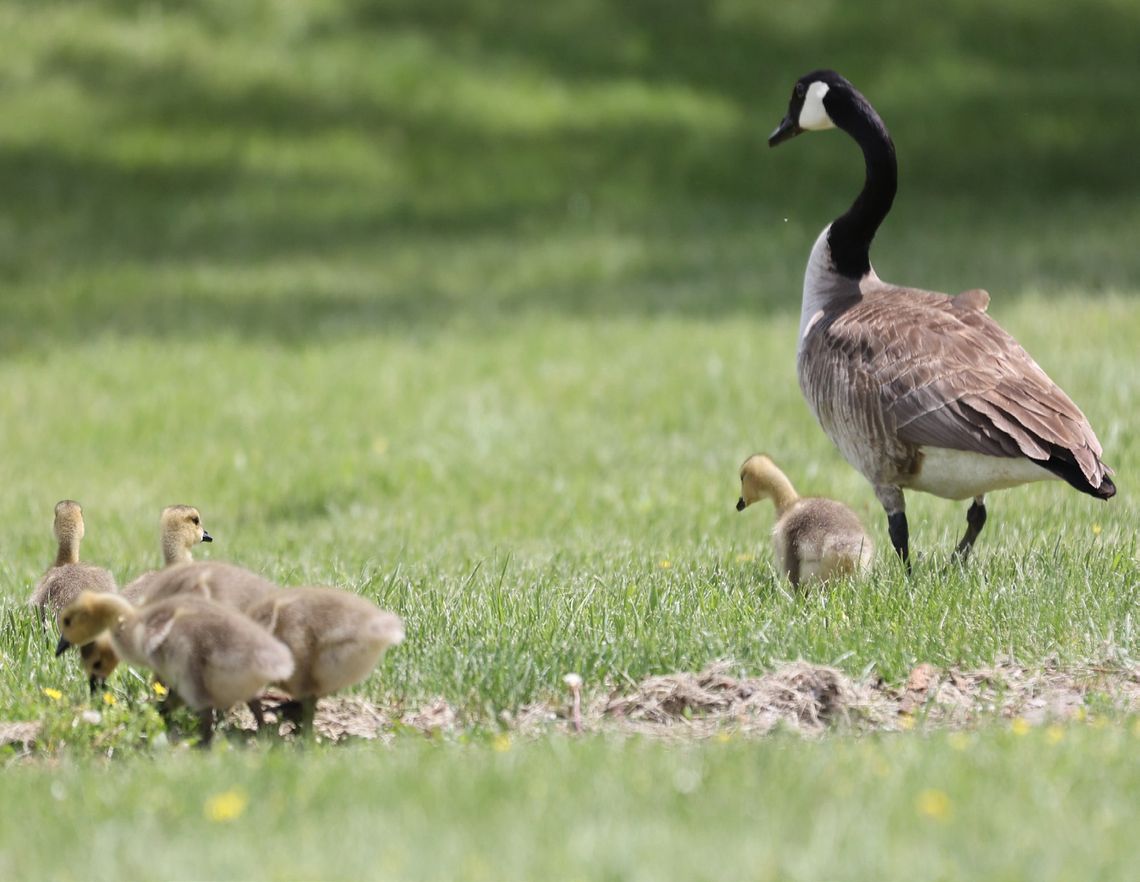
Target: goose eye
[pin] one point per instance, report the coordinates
(801, 90)
(195, 520)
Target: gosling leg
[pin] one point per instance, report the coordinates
(205, 728)
(975, 520)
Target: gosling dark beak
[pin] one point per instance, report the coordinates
(206, 537)
(741, 504)
(788, 128)
(95, 683)
(62, 647)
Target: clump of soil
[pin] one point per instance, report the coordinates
(803, 697)
(799, 696)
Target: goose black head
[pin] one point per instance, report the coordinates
(810, 108)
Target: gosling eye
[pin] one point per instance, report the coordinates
(66, 621)
(195, 520)
(98, 666)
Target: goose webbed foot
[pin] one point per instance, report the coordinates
(975, 520)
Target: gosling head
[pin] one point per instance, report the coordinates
(181, 530)
(99, 661)
(85, 618)
(759, 479)
(817, 100)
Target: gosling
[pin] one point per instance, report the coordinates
(181, 528)
(65, 579)
(814, 539)
(336, 638)
(210, 656)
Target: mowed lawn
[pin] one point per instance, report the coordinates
(475, 309)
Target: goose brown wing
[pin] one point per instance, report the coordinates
(949, 376)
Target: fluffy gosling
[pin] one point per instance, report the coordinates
(336, 638)
(210, 656)
(814, 538)
(67, 578)
(181, 529)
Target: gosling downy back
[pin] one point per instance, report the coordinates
(67, 578)
(336, 637)
(211, 656)
(223, 583)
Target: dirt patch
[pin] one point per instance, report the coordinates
(799, 697)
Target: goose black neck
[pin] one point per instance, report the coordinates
(852, 232)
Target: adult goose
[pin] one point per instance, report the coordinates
(918, 390)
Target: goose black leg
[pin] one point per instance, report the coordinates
(900, 536)
(892, 500)
(975, 520)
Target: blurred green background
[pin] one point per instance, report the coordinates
(315, 169)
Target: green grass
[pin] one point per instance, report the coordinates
(475, 308)
(989, 806)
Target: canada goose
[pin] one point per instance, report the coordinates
(814, 538)
(65, 579)
(919, 390)
(211, 656)
(336, 638)
(181, 529)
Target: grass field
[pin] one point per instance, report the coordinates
(475, 309)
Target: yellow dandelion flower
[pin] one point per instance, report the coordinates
(723, 737)
(1054, 734)
(1096, 528)
(501, 742)
(665, 564)
(159, 690)
(1019, 726)
(906, 722)
(745, 558)
(53, 694)
(959, 741)
(225, 806)
(108, 699)
(934, 804)
(1080, 715)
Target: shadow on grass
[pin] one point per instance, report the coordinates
(211, 188)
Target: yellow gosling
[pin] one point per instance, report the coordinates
(336, 638)
(67, 578)
(181, 529)
(211, 656)
(814, 539)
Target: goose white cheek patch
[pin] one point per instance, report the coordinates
(813, 115)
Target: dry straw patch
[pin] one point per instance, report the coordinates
(799, 697)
